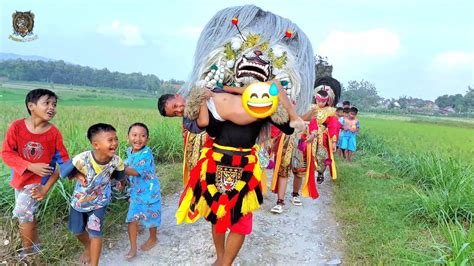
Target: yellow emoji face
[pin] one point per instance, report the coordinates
(260, 99)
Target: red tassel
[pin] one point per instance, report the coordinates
(235, 20)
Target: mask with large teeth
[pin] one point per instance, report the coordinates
(239, 63)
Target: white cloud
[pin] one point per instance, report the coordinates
(454, 60)
(129, 35)
(376, 42)
(189, 31)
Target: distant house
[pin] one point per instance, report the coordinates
(177, 86)
(172, 85)
(430, 105)
(447, 110)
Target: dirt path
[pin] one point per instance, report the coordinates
(307, 234)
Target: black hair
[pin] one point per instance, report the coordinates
(138, 124)
(346, 103)
(97, 128)
(323, 93)
(339, 109)
(354, 110)
(162, 103)
(34, 95)
(346, 110)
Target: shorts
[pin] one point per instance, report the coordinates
(91, 221)
(243, 226)
(349, 143)
(148, 215)
(25, 205)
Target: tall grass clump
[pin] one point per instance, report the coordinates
(459, 246)
(444, 186)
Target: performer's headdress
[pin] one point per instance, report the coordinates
(237, 31)
(331, 86)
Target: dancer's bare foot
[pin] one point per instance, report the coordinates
(149, 244)
(131, 254)
(85, 258)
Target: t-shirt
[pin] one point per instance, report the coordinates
(145, 188)
(96, 194)
(353, 124)
(21, 147)
(191, 126)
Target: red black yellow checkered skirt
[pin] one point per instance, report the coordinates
(224, 186)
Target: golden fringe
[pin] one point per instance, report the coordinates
(280, 116)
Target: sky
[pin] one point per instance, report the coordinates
(406, 48)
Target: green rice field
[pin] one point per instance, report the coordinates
(407, 198)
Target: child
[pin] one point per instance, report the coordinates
(324, 130)
(350, 128)
(226, 104)
(340, 115)
(92, 191)
(32, 147)
(339, 112)
(346, 104)
(145, 196)
(345, 112)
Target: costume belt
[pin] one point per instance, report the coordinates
(233, 156)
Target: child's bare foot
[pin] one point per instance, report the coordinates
(216, 263)
(85, 258)
(149, 244)
(131, 254)
(298, 123)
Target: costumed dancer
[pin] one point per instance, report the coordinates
(290, 156)
(324, 127)
(226, 185)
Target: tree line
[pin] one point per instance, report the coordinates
(460, 103)
(64, 73)
(364, 94)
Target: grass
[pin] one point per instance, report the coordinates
(416, 136)
(405, 202)
(406, 199)
(373, 205)
(459, 248)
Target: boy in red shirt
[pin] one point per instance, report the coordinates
(32, 147)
